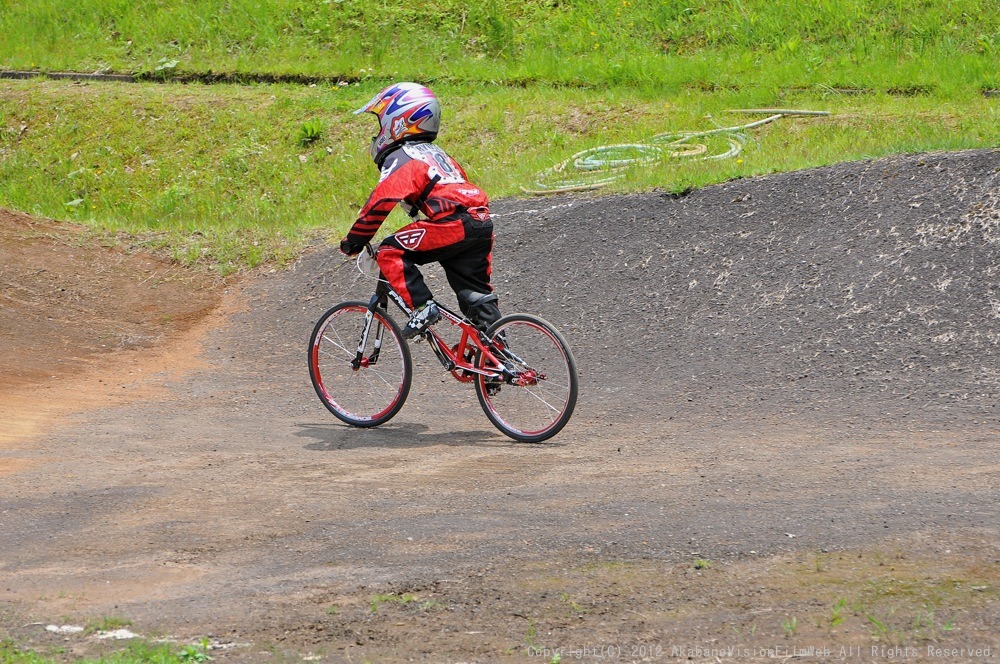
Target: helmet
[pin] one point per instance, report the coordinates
(405, 111)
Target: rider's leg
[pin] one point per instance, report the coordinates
(415, 244)
(470, 269)
(399, 267)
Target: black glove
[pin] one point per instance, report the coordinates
(349, 248)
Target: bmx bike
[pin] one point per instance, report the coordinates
(522, 368)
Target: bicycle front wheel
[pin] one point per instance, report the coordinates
(363, 385)
(537, 397)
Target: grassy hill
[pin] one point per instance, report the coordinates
(236, 175)
(878, 44)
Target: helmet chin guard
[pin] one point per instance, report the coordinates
(405, 112)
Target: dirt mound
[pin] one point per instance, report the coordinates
(863, 290)
(868, 289)
(855, 293)
(65, 299)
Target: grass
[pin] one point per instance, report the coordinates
(107, 624)
(858, 596)
(879, 44)
(137, 652)
(837, 612)
(390, 598)
(403, 599)
(10, 653)
(234, 176)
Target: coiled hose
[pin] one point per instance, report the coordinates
(597, 167)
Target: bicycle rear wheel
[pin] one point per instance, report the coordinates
(365, 391)
(537, 399)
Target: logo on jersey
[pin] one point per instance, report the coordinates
(411, 239)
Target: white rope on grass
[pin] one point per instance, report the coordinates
(779, 111)
(597, 167)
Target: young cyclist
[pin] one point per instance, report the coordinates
(451, 217)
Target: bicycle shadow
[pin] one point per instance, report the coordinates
(336, 436)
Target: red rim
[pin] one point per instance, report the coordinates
(325, 394)
(557, 419)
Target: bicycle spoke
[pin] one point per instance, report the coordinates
(368, 394)
(369, 372)
(554, 409)
(335, 344)
(536, 411)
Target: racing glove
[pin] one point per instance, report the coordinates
(348, 248)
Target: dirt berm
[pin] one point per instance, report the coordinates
(786, 439)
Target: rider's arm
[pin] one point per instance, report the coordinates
(401, 179)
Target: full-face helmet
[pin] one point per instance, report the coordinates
(405, 112)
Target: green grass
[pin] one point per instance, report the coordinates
(390, 598)
(12, 654)
(653, 43)
(403, 599)
(107, 624)
(221, 175)
(137, 652)
(238, 176)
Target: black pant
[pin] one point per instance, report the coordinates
(467, 263)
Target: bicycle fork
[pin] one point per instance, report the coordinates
(360, 360)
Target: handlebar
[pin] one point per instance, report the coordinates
(365, 262)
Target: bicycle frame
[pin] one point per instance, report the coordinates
(457, 359)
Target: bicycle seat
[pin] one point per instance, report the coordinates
(471, 298)
(482, 308)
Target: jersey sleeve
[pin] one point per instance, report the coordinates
(400, 180)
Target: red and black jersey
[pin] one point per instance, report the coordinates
(420, 177)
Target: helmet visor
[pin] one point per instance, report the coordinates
(371, 105)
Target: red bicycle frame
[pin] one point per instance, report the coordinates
(460, 358)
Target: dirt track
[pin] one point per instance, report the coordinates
(789, 396)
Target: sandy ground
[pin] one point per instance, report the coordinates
(785, 445)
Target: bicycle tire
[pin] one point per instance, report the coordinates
(539, 408)
(372, 393)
